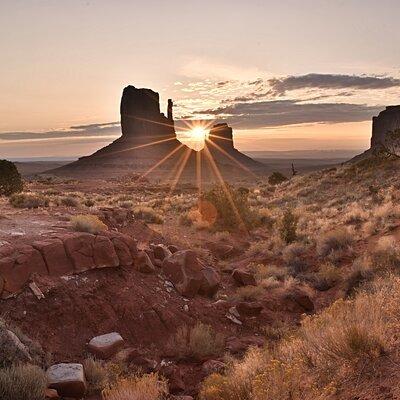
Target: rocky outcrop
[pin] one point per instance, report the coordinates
(68, 379)
(149, 147)
(387, 121)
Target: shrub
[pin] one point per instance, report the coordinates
(88, 223)
(28, 200)
(148, 215)
(10, 179)
(96, 375)
(145, 387)
(339, 239)
(231, 209)
(89, 203)
(22, 382)
(69, 201)
(198, 342)
(248, 293)
(276, 178)
(288, 226)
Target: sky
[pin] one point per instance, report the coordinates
(286, 75)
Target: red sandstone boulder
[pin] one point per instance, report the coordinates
(55, 257)
(160, 251)
(244, 278)
(143, 263)
(18, 267)
(105, 346)
(172, 248)
(104, 254)
(220, 250)
(189, 275)
(79, 248)
(249, 309)
(124, 245)
(68, 379)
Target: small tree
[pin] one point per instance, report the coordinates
(276, 178)
(10, 179)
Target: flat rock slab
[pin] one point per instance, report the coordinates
(105, 346)
(68, 379)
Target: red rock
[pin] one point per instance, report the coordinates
(104, 254)
(51, 394)
(124, 245)
(105, 346)
(213, 366)
(172, 248)
(185, 272)
(79, 248)
(174, 375)
(211, 282)
(17, 269)
(301, 299)
(55, 257)
(220, 250)
(249, 309)
(244, 278)
(143, 263)
(160, 251)
(67, 379)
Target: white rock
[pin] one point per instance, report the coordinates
(68, 379)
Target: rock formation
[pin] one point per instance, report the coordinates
(148, 145)
(386, 122)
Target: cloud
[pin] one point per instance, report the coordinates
(330, 81)
(289, 112)
(86, 131)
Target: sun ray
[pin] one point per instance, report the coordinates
(162, 161)
(225, 153)
(182, 163)
(219, 177)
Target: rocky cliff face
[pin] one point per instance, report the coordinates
(387, 120)
(221, 135)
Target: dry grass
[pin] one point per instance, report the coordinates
(22, 382)
(337, 240)
(97, 375)
(148, 214)
(329, 351)
(145, 387)
(88, 223)
(28, 200)
(198, 342)
(248, 293)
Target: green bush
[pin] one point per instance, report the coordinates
(276, 178)
(288, 227)
(22, 382)
(231, 208)
(10, 179)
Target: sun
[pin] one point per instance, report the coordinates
(198, 133)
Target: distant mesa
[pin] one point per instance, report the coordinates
(149, 146)
(386, 122)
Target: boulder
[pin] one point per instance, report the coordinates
(68, 379)
(104, 254)
(244, 278)
(105, 346)
(55, 257)
(174, 376)
(124, 246)
(161, 251)
(211, 282)
(213, 366)
(143, 263)
(17, 268)
(79, 248)
(220, 250)
(172, 248)
(184, 270)
(51, 394)
(12, 349)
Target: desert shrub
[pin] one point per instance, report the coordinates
(339, 239)
(96, 375)
(28, 200)
(327, 277)
(248, 293)
(89, 203)
(69, 201)
(263, 272)
(276, 178)
(126, 204)
(22, 382)
(148, 214)
(288, 226)
(265, 217)
(198, 342)
(361, 272)
(10, 179)
(88, 223)
(232, 211)
(293, 255)
(145, 387)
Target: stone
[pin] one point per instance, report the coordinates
(160, 251)
(105, 346)
(79, 248)
(249, 309)
(68, 379)
(172, 248)
(244, 278)
(12, 349)
(388, 120)
(104, 254)
(124, 246)
(220, 250)
(55, 257)
(51, 394)
(17, 269)
(143, 263)
(211, 282)
(174, 376)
